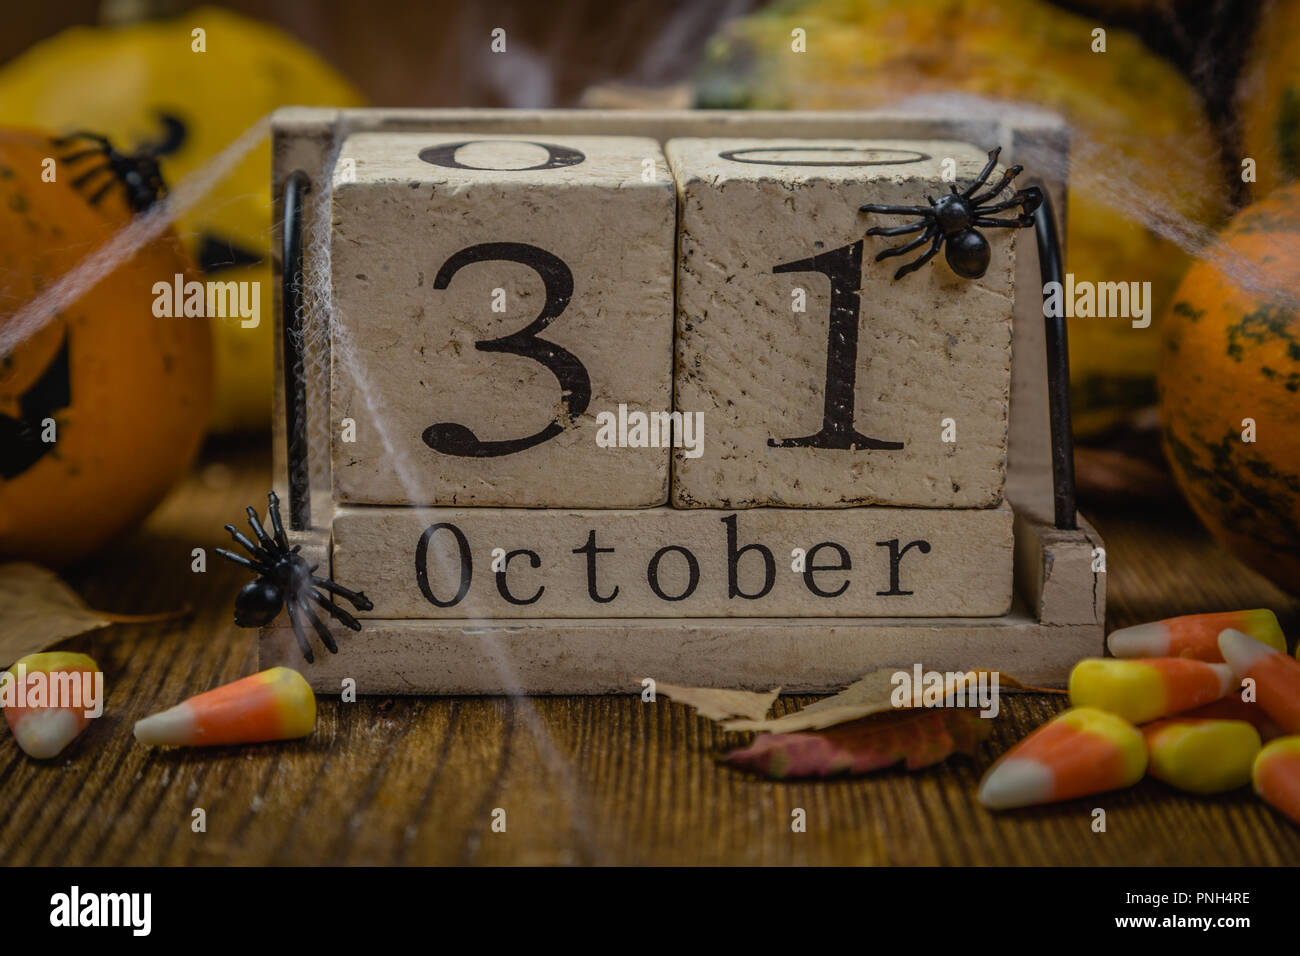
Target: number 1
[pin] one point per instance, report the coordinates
(843, 267)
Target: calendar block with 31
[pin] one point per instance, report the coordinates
(614, 392)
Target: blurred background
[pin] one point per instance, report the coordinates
(1167, 100)
(433, 53)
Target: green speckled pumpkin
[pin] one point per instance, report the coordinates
(1268, 97)
(1231, 352)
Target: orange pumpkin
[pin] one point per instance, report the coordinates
(101, 410)
(1230, 370)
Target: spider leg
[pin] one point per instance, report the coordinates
(81, 154)
(358, 598)
(904, 249)
(997, 207)
(322, 631)
(1018, 223)
(291, 603)
(173, 136)
(262, 537)
(101, 192)
(276, 524)
(894, 210)
(248, 546)
(90, 174)
(923, 259)
(257, 566)
(335, 611)
(983, 176)
(103, 142)
(997, 187)
(1031, 197)
(1028, 199)
(898, 230)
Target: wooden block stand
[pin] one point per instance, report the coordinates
(1058, 609)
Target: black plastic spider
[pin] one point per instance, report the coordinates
(138, 171)
(285, 577)
(953, 218)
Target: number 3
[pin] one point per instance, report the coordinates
(450, 438)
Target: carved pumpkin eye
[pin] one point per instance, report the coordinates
(21, 435)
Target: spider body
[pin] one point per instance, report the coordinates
(951, 222)
(138, 173)
(286, 579)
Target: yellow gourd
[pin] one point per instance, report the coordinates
(1141, 147)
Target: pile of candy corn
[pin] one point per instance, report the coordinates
(1191, 700)
(1207, 703)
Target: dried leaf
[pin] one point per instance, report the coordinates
(38, 609)
(920, 738)
(722, 704)
(869, 695)
(1007, 682)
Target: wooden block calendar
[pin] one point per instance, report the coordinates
(597, 397)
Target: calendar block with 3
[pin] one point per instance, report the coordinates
(496, 295)
(825, 382)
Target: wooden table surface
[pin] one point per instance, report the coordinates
(605, 780)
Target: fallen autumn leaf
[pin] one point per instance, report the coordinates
(722, 704)
(871, 694)
(37, 609)
(920, 738)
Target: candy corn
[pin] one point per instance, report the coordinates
(49, 699)
(1144, 689)
(1276, 676)
(1081, 751)
(1277, 776)
(1194, 635)
(1233, 707)
(276, 704)
(1201, 756)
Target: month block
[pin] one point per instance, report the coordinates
(496, 300)
(500, 563)
(822, 380)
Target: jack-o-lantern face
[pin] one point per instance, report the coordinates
(102, 409)
(122, 81)
(28, 418)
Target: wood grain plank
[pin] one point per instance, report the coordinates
(583, 780)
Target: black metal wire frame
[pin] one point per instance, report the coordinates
(1058, 368)
(296, 185)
